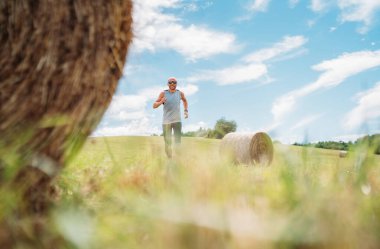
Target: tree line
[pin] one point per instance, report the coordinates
(371, 141)
(223, 126)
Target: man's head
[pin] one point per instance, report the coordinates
(172, 83)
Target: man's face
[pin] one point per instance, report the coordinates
(172, 85)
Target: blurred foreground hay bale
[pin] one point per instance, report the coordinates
(60, 62)
(248, 148)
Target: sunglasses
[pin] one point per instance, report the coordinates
(172, 82)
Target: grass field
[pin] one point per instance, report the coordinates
(122, 192)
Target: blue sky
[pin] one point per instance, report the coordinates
(306, 70)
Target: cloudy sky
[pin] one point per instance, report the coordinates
(301, 70)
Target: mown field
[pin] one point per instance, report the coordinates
(122, 192)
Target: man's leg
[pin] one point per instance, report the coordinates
(177, 127)
(167, 130)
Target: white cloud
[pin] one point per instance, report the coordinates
(253, 6)
(368, 108)
(337, 70)
(271, 128)
(126, 107)
(232, 75)
(141, 127)
(195, 5)
(289, 43)
(159, 3)
(306, 121)
(351, 10)
(283, 106)
(191, 7)
(154, 30)
(133, 115)
(253, 67)
(359, 11)
(311, 23)
(259, 5)
(291, 55)
(130, 69)
(293, 3)
(122, 103)
(334, 72)
(319, 5)
(188, 89)
(151, 92)
(195, 127)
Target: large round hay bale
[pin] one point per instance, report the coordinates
(248, 148)
(60, 62)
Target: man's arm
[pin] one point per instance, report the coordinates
(185, 105)
(160, 100)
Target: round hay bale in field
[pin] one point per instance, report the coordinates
(342, 153)
(60, 62)
(248, 148)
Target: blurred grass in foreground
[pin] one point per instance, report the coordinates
(122, 192)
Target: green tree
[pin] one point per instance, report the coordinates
(222, 127)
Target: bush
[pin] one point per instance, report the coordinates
(222, 127)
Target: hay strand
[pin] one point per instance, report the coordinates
(248, 148)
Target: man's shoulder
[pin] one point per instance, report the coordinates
(162, 94)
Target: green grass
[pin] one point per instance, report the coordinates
(122, 192)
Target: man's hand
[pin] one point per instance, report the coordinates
(163, 100)
(186, 113)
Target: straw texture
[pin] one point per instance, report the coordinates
(60, 62)
(248, 148)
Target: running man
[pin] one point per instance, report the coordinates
(171, 99)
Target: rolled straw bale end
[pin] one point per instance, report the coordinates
(261, 149)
